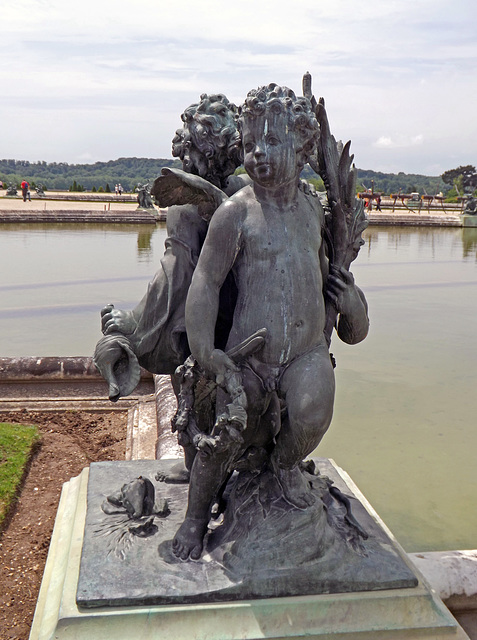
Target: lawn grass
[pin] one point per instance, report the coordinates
(16, 445)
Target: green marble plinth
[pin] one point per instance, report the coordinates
(397, 614)
(469, 221)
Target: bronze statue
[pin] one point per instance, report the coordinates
(470, 208)
(269, 235)
(144, 196)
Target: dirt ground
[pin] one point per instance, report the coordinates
(69, 442)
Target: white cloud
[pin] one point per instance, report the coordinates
(399, 141)
(384, 141)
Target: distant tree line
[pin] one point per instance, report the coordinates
(102, 176)
(400, 182)
(387, 182)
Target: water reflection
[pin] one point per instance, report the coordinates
(144, 242)
(469, 242)
(437, 244)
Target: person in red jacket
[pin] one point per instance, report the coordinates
(26, 191)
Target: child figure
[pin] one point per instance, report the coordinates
(269, 235)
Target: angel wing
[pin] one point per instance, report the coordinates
(175, 187)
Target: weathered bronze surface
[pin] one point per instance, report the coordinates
(254, 279)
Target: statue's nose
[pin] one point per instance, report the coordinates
(259, 151)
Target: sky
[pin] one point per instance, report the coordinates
(103, 79)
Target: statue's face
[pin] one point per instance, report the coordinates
(269, 149)
(195, 162)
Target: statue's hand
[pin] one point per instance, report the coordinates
(341, 290)
(117, 321)
(219, 364)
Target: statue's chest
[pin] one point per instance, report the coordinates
(284, 237)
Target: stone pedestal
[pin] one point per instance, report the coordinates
(469, 221)
(397, 614)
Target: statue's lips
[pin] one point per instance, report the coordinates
(263, 167)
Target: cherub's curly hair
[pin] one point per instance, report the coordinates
(301, 117)
(210, 128)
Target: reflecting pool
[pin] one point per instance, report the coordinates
(405, 411)
(405, 414)
(54, 279)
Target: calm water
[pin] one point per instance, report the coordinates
(55, 279)
(404, 424)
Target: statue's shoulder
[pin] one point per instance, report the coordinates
(238, 202)
(230, 216)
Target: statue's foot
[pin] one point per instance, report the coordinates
(189, 539)
(179, 474)
(296, 488)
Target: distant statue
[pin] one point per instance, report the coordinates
(470, 208)
(11, 190)
(144, 196)
(254, 280)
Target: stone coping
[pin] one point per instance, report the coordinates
(142, 216)
(111, 216)
(60, 383)
(51, 367)
(409, 218)
(63, 208)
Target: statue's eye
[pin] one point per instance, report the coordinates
(272, 141)
(248, 147)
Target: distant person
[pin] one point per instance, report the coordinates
(120, 189)
(378, 203)
(25, 191)
(1, 184)
(116, 189)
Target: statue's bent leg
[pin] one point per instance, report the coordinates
(308, 386)
(211, 470)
